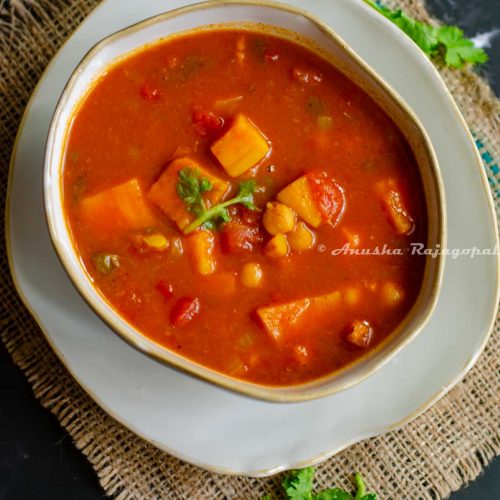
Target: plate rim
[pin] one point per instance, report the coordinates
(320, 457)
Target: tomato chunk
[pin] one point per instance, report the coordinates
(328, 195)
(238, 238)
(165, 288)
(184, 311)
(206, 123)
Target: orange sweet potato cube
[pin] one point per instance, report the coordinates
(164, 192)
(277, 320)
(120, 207)
(201, 248)
(394, 208)
(241, 147)
(298, 196)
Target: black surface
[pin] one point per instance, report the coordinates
(38, 459)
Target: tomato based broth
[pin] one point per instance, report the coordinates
(216, 186)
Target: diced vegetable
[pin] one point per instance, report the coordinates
(277, 246)
(184, 311)
(241, 147)
(164, 192)
(206, 123)
(301, 238)
(299, 197)
(394, 208)
(121, 207)
(278, 218)
(237, 238)
(278, 319)
(252, 275)
(328, 196)
(156, 241)
(106, 262)
(391, 294)
(360, 334)
(201, 247)
(165, 288)
(304, 75)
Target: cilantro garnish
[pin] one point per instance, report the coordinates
(191, 187)
(446, 41)
(298, 485)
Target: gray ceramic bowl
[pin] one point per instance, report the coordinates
(290, 23)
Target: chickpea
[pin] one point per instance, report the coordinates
(391, 294)
(278, 218)
(252, 275)
(301, 237)
(277, 246)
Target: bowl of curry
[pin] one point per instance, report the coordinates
(237, 194)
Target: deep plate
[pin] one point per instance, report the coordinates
(212, 427)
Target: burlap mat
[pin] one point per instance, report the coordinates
(428, 458)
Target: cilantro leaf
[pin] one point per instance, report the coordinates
(446, 40)
(333, 494)
(298, 484)
(190, 188)
(459, 50)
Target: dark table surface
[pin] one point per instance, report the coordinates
(38, 459)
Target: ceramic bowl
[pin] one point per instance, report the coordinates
(299, 26)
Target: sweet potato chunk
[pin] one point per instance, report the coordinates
(360, 334)
(281, 319)
(201, 247)
(278, 319)
(164, 192)
(120, 207)
(394, 208)
(317, 198)
(241, 147)
(299, 197)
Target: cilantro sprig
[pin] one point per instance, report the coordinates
(444, 41)
(191, 188)
(298, 485)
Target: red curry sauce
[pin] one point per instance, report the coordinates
(257, 297)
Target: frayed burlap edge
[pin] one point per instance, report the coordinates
(429, 458)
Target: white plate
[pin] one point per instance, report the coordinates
(209, 426)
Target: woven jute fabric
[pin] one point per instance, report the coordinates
(427, 459)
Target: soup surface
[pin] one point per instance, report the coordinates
(218, 185)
